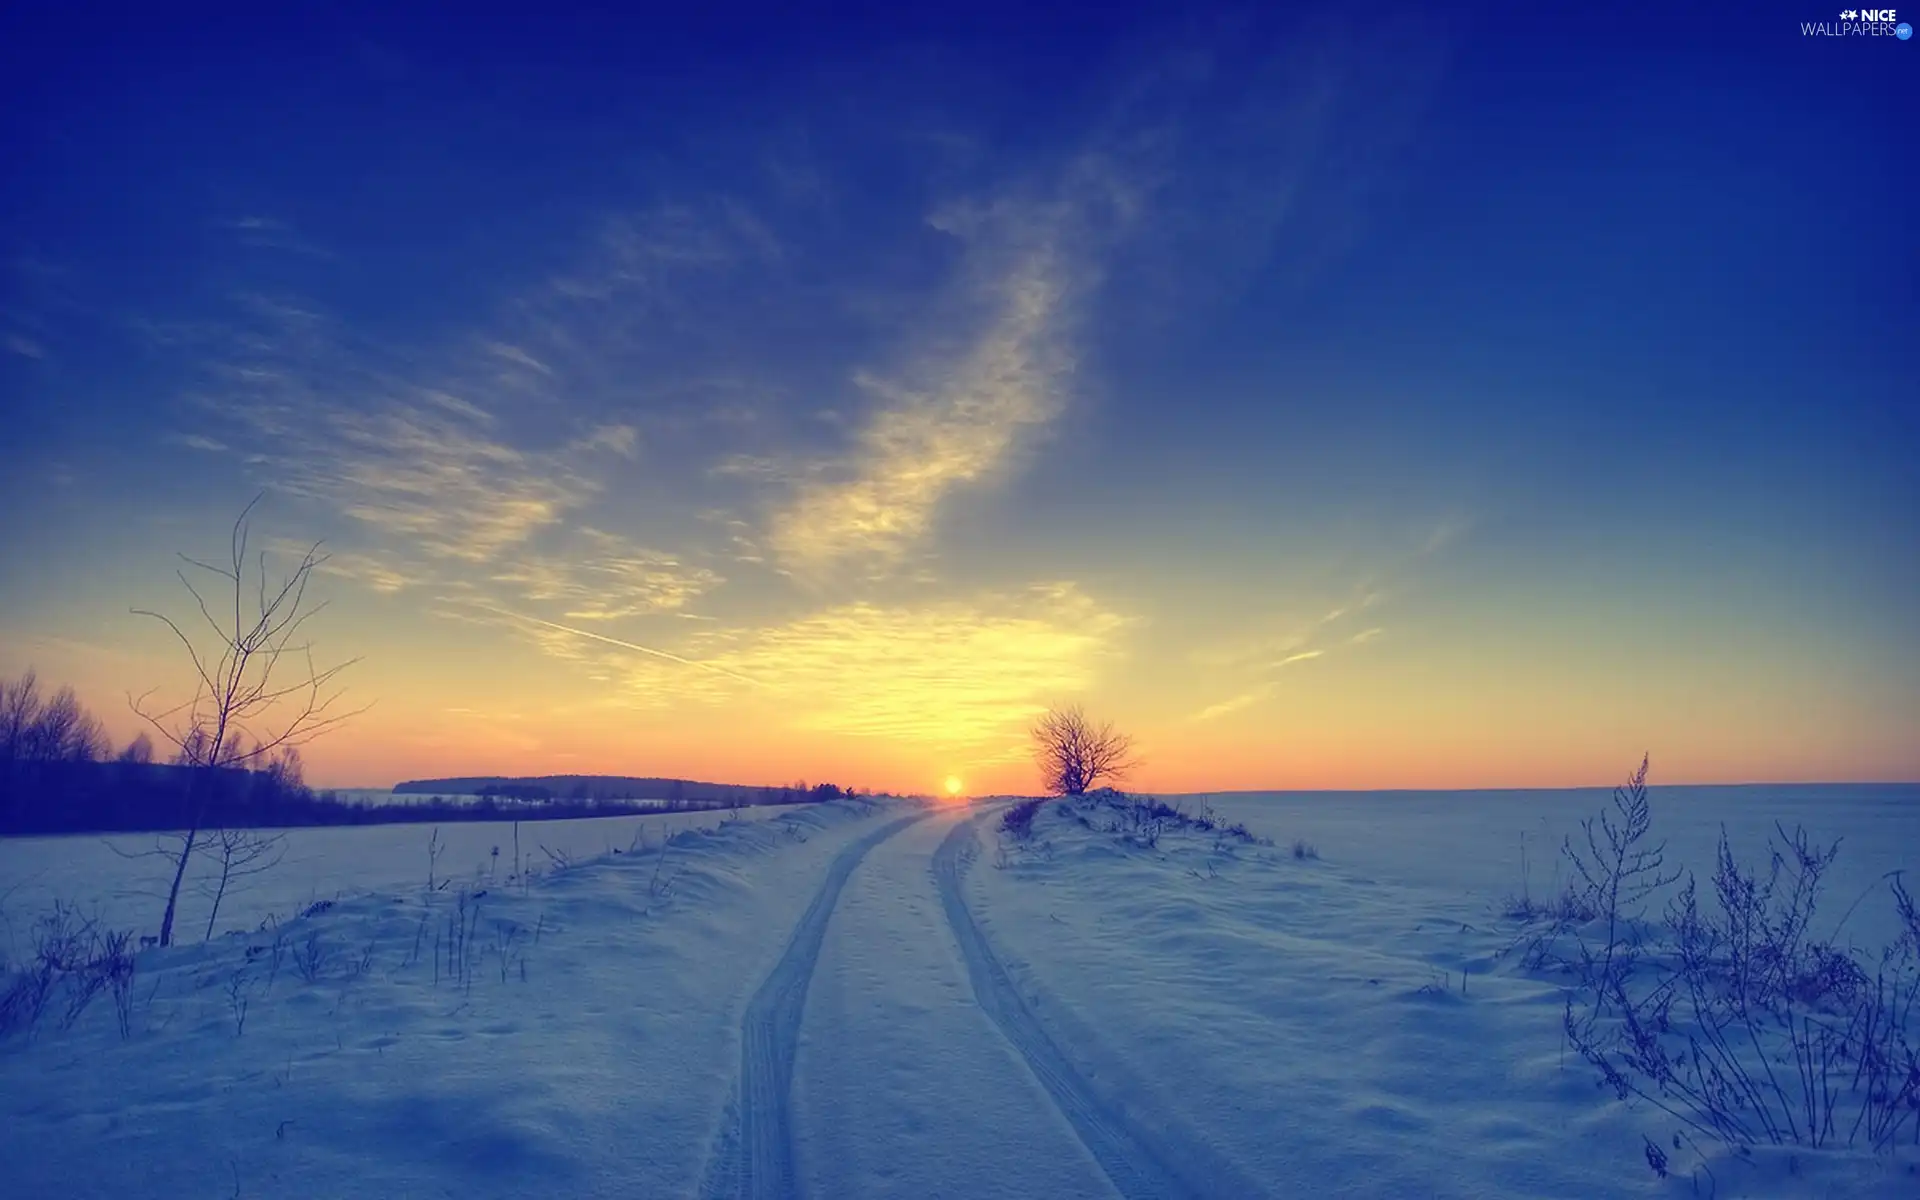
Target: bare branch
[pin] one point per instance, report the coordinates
(1075, 756)
(243, 710)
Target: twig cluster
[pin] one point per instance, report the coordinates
(1729, 1014)
(74, 960)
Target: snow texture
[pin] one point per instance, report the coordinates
(754, 1155)
(861, 999)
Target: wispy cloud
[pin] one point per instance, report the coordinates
(1257, 694)
(925, 440)
(1291, 641)
(1267, 653)
(420, 463)
(378, 573)
(439, 482)
(24, 346)
(476, 450)
(1234, 704)
(966, 672)
(612, 438)
(567, 645)
(195, 441)
(1446, 533)
(604, 577)
(955, 410)
(272, 233)
(518, 356)
(958, 673)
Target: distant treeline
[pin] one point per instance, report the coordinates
(59, 774)
(609, 788)
(116, 797)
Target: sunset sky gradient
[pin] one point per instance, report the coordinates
(1364, 400)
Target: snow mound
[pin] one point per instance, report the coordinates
(573, 1035)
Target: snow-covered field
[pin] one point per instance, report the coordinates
(1468, 845)
(1350, 1025)
(118, 879)
(897, 1000)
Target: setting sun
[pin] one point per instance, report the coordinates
(954, 785)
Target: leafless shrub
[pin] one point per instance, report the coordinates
(73, 957)
(107, 966)
(276, 953)
(1615, 873)
(660, 885)
(243, 853)
(419, 933)
(506, 953)
(246, 709)
(22, 999)
(312, 957)
(1017, 821)
(1730, 1016)
(237, 1000)
(122, 967)
(460, 941)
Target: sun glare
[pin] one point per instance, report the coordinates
(954, 785)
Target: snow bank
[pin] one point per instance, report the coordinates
(1339, 1026)
(95, 872)
(573, 1037)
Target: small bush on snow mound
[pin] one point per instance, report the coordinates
(1141, 820)
(1018, 820)
(1728, 1014)
(74, 960)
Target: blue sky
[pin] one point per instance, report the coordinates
(1364, 398)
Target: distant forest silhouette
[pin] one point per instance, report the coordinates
(60, 774)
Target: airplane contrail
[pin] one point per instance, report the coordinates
(613, 641)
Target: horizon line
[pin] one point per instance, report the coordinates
(1253, 791)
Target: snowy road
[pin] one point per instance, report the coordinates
(857, 999)
(889, 1053)
(903, 1086)
(1141, 1158)
(753, 1156)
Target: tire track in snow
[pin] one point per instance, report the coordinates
(1142, 1160)
(753, 1156)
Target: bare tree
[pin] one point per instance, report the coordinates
(37, 732)
(139, 751)
(1075, 755)
(19, 711)
(63, 731)
(255, 687)
(285, 774)
(242, 853)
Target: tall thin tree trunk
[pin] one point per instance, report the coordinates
(198, 784)
(173, 893)
(220, 893)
